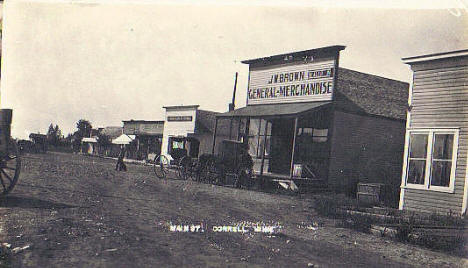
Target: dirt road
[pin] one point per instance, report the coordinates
(76, 211)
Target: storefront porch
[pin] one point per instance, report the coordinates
(287, 142)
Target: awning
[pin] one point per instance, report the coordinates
(91, 140)
(124, 139)
(275, 109)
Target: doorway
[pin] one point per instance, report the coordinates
(282, 135)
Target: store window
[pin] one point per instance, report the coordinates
(431, 160)
(177, 144)
(318, 135)
(259, 137)
(312, 151)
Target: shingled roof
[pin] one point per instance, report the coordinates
(371, 94)
(206, 123)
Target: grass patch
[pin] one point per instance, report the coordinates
(434, 231)
(359, 223)
(443, 243)
(331, 207)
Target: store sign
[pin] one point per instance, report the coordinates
(297, 83)
(180, 118)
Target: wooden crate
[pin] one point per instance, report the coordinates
(230, 179)
(370, 193)
(370, 188)
(367, 199)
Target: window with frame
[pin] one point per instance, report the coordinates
(258, 138)
(318, 135)
(431, 159)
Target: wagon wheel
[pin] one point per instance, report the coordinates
(214, 172)
(183, 168)
(194, 170)
(10, 166)
(202, 171)
(161, 164)
(244, 176)
(198, 171)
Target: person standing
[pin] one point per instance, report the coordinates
(120, 166)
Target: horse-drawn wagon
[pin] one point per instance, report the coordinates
(10, 161)
(232, 167)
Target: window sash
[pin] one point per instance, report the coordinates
(257, 137)
(423, 171)
(433, 168)
(430, 160)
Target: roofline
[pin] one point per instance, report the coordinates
(208, 111)
(142, 121)
(336, 48)
(325, 103)
(375, 75)
(435, 56)
(181, 106)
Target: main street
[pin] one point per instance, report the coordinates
(77, 211)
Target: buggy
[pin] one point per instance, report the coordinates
(10, 161)
(233, 167)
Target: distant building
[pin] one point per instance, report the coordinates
(39, 142)
(435, 173)
(188, 131)
(111, 149)
(89, 145)
(148, 137)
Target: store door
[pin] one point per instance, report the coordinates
(194, 148)
(282, 135)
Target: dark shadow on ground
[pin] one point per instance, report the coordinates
(59, 189)
(28, 202)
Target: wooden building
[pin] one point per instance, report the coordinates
(435, 163)
(112, 133)
(89, 145)
(188, 130)
(39, 141)
(310, 121)
(148, 138)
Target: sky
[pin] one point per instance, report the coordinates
(108, 61)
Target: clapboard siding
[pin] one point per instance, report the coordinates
(433, 206)
(440, 100)
(425, 90)
(440, 71)
(448, 84)
(434, 103)
(441, 76)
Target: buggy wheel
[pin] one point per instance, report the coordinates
(161, 164)
(10, 167)
(244, 178)
(202, 172)
(183, 168)
(213, 172)
(197, 171)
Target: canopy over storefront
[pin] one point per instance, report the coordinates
(276, 110)
(91, 140)
(124, 139)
